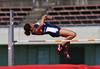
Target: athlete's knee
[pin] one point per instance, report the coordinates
(73, 35)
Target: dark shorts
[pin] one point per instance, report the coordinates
(52, 30)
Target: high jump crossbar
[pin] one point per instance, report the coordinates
(59, 41)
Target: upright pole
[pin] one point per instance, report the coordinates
(10, 40)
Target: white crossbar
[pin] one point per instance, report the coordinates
(81, 40)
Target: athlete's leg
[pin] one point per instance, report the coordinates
(68, 35)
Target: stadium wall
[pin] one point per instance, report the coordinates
(91, 49)
(85, 32)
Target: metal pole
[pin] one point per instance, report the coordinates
(10, 40)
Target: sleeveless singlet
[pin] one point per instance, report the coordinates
(50, 29)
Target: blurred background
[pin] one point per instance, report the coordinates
(81, 16)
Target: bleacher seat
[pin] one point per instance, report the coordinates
(77, 15)
(19, 14)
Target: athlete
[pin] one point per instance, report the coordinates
(52, 30)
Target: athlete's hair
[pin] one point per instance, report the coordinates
(36, 25)
(27, 29)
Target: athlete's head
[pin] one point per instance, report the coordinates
(30, 28)
(27, 29)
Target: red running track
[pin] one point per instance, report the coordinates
(56, 66)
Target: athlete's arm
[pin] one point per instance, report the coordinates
(41, 24)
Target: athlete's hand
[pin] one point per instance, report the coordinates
(44, 17)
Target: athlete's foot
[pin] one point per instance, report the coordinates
(63, 49)
(59, 49)
(66, 55)
(66, 52)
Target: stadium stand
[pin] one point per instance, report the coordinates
(23, 10)
(64, 15)
(19, 14)
(75, 15)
